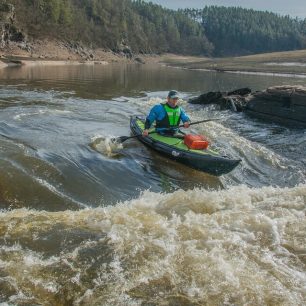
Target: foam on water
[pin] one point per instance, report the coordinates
(41, 112)
(266, 165)
(106, 145)
(240, 246)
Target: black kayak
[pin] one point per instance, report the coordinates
(208, 160)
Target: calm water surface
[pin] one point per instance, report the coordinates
(83, 223)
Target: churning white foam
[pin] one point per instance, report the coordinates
(107, 145)
(239, 246)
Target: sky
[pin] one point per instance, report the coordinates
(294, 8)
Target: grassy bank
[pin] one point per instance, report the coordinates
(291, 62)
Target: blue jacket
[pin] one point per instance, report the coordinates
(158, 113)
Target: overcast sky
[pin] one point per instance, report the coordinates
(283, 7)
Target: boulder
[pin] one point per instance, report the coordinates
(212, 97)
(127, 51)
(139, 60)
(241, 92)
(234, 100)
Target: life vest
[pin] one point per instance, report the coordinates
(172, 118)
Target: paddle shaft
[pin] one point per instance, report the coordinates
(197, 122)
(124, 138)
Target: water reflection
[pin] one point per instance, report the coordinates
(115, 80)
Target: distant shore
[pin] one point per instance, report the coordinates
(56, 53)
(292, 63)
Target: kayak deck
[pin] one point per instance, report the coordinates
(208, 160)
(175, 142)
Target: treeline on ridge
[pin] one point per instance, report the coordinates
(237, 31)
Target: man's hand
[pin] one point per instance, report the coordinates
(145, 133)
(186, 125)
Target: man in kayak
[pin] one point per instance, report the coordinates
(167, 116)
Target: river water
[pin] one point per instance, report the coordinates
(85, 223)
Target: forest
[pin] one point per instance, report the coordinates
(149, 28)
(237, 31)
(109, 24)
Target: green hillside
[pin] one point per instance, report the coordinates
(111, 24)
(141, 27)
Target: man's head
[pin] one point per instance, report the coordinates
(172, 98)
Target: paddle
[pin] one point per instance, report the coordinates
(122, 139)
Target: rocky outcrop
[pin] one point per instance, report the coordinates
(282, 104)
(79, 49)
(139, 60)
(125, 50)
(8, 30)
(15, 44)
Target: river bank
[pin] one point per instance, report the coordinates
(50, 52)
(61, 53)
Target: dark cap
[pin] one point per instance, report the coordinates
(173, 94)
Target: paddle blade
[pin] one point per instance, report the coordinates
(119, 139)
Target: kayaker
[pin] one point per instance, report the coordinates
(167, 116)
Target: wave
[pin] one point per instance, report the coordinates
(230, 247)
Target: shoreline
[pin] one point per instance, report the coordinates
(31, 62)
(52, 52)
(146, 60)
(285, 64)
(288, 74)
(149, 59)
(55, 53)
(109, 58)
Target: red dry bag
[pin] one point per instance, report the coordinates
(196, 142)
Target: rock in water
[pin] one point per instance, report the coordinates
(234, 100)
(282, 104)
